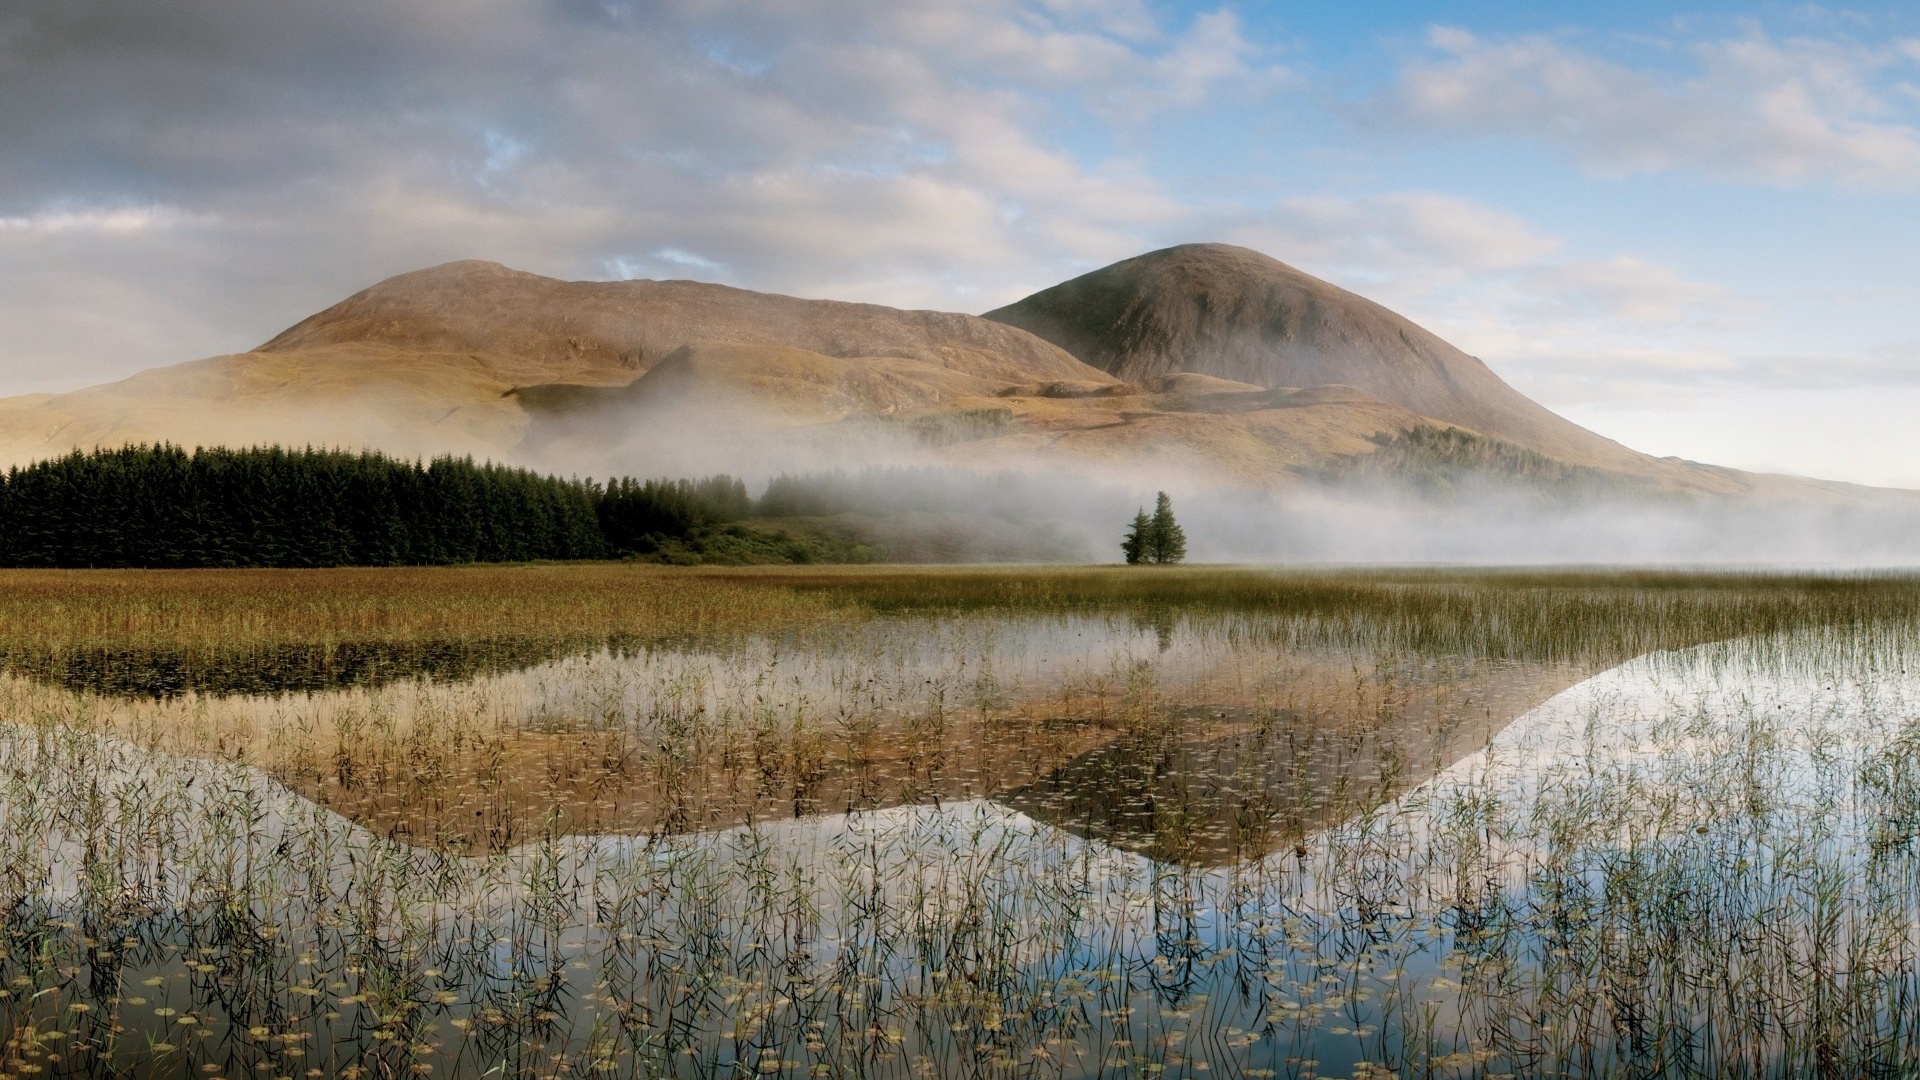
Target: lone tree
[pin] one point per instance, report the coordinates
(1156, 539)
(1169, 539)
(1134, 546)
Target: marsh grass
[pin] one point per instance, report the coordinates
(1702, 864)
(232, 612)
(1522, 614)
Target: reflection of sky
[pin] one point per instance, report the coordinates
(1678, 759)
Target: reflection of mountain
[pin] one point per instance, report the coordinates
(1195, 770)
(1649, 839)
(1210, 777)
(1206, 359)
(1213, 790)
(1206, 783)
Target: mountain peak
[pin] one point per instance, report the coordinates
(1235, 313)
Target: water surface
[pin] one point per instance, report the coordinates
(1074, 846)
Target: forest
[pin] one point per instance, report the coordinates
(166, 506)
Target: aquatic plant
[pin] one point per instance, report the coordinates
(877, 823)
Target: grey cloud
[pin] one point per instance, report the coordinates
(894, 151)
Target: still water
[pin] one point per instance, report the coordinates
(1059, 846)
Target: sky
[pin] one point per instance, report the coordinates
(1689, 227)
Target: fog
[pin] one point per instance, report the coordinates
(1008, 500)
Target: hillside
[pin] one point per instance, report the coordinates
(1213, 309)
(427, 362)
(486, 308)
(1202, 364)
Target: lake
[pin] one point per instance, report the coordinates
(1498, 836)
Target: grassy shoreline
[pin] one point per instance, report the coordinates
(1529, 612)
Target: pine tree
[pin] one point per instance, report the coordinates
(1134, 546)
(1166, 540)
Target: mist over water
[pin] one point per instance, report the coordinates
(1015, 501)
(1492, 527)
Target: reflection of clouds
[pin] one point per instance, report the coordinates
(1691, 807)
(1664, 736)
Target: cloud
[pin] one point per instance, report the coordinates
(109, 221)
(1628, 289)
(1747, 108)
(914, 152)
(1564, 327)
(189, 178)
(1395, 234)
(1427, 250)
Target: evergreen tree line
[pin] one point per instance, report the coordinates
(164, 506)
(636, 516)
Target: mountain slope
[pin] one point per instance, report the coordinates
(355, 394)
(1227, 311)
(1206, 365)
(428, 361)
(483, 307)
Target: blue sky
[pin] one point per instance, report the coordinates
(1689, 228)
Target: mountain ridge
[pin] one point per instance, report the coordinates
(478, 306)
(1207, 361)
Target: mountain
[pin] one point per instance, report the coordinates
(484, 308)
(430, 361)
(1213, 309)
(1203, 363)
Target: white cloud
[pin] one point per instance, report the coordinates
(1427, 234)
(1565, 327)
(1435, 251)
(1213, 53)
(105, 221)
(1749, 107)
(1626, 288)
(244, 165)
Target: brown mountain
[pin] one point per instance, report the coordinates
(1214, 309)
(489, 309)
(429, 362)
(1209, 362)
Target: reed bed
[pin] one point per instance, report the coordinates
(1523, 613)
(971, 823)
(852, 717)
(235, 611)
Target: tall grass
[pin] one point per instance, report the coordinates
(1523, 613)
(1225, 822)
